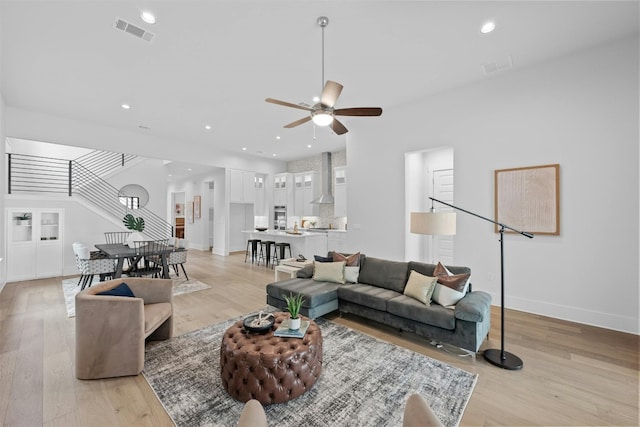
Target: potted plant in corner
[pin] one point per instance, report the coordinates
(136, 225)
(294, 304)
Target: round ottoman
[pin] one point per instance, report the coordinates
(267, 368)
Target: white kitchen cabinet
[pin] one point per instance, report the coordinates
(34, 243)
(261, 208)
(340, 191)
(241, 186)
(283, 193)
(307, 188)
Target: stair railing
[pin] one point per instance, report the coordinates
(27, 173)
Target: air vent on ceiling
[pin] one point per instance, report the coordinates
(138, 32)
(494, 67)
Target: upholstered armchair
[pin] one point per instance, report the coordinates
(111, 330)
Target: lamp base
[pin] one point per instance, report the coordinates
(510, 361)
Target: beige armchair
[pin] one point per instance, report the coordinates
(111, 330)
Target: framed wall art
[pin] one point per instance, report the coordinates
(528, 198)
(196, 207)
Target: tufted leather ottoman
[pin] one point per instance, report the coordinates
(267, 368)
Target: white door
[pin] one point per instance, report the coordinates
(443, 190)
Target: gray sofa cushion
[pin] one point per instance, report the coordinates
(412, 309)
(315, 293)
(384, 274)
(367, 295)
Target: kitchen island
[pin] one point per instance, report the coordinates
(305, 243)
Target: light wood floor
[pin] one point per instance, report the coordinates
(573, 374)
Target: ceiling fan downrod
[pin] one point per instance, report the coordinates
(323, 21)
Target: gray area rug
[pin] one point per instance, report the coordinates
(364, 382)
(180, 286)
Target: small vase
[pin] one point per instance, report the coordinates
(136, 236)
(294, 324)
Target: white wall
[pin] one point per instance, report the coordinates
(580, 111)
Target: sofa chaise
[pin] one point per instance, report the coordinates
(379, 295)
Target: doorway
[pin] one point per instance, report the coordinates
(428, 173)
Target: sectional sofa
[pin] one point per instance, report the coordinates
(379, 295)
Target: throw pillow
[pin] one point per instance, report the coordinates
(320, 258)
(450, 288)
(420, 287)
(352, 266)
(329, 272)
(122, 290)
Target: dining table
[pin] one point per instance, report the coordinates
(120, 252)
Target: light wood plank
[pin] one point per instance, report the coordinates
(573, 374)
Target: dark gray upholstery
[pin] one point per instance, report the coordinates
(384, 274)
(371, 296)
(379, 297)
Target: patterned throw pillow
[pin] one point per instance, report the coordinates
(352, 266)
(450, 288)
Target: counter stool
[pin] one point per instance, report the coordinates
(278, 251)
(254, 250)
(265, 252)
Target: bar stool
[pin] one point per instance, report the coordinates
(278, 251)
(254, 250)
(265, 252)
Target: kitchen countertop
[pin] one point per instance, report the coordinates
(281, 233)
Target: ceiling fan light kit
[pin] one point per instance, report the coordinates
(323, 112)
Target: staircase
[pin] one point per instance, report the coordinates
(35, 174)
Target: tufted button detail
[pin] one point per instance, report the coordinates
(267, 368)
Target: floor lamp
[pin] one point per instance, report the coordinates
(428, 223)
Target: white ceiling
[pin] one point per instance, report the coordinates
(214, 62)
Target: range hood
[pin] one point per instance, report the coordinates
(325, 180)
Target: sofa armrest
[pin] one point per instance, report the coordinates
(474, 307)
(305, 272)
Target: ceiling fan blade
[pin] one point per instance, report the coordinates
(364, 111)
(338, 127)
(330, 93)
(298, 122)
(287, 104)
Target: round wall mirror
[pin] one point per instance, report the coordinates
(133, 196)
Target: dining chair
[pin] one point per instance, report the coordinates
(116, 236)
(92, 263)
(150, 254)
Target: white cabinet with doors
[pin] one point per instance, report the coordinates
(340, 191)
(283, 190)
(307, 189)
(34, 243)
(261, 208)
(241, 186)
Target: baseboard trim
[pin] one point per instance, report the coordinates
(572, 314)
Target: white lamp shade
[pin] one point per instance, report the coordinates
(440, 224)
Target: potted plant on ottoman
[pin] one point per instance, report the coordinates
(294, 304)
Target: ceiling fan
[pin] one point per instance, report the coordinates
(323, 113)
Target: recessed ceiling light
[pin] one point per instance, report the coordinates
(309, 146)
(207, 127)
(189, 169)
(487, 27)
(126, 106)
(278, 137)
(316, 99)
(244, 148)
(274, 154)
(169, 175)
(148, 17)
